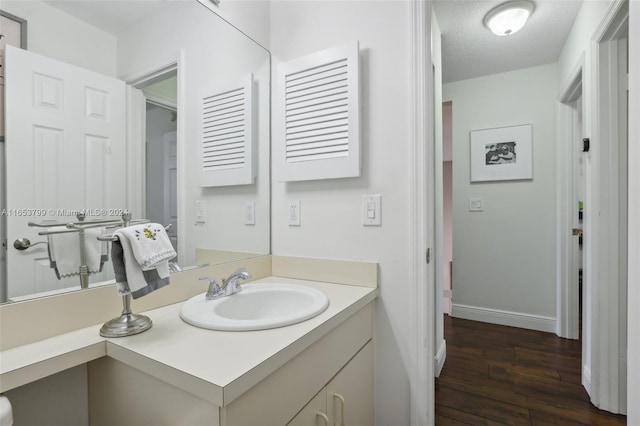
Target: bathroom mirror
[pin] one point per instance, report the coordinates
(161, 55)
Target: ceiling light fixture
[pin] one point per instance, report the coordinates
(508, 18)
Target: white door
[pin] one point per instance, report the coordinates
(65, 150)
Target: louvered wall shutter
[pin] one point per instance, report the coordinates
(226, 148)
(317, 132)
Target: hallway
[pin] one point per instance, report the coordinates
(503, 375)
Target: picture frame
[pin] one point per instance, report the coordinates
(501, 153)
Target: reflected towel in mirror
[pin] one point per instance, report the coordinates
(64, 252)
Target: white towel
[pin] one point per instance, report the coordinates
(64, 252)
(130, 278)
(150, 244)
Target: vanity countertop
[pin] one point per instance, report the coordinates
(218, 366)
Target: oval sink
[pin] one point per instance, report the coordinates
(256, 307)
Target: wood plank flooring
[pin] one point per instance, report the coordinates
(497, 375)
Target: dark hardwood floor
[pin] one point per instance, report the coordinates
(497, 375)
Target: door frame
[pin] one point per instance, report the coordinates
(605, 302)
(136, 153)
(633, 276)
(567, 305)
(422, 199)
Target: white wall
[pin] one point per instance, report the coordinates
(55, 34)
(249, 16)
(504, 269)
(331, 209)
(213, 53)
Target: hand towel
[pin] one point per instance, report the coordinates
(64, 252)
(150, 244)
(129, 276)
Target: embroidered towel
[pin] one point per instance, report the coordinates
(64, 252)
(129, 276)
(150, 244)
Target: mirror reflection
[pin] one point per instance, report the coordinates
(107, 103)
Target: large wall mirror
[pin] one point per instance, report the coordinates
(104, 112)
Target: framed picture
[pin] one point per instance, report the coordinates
(503, 153)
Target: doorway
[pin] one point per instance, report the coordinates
(160, 94)
(447, 206)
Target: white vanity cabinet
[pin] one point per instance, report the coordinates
(347, 399)
(338, 362)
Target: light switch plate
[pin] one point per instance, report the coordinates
(201, 212)
(371, 210)
(293, 213)
(250, 213)
(476, 204)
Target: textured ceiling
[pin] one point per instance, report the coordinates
(470, 50)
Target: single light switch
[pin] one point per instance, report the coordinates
(371, 206)
(475, 204)
(250, 213)
(201, 212)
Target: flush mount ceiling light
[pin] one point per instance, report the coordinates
(508, 18)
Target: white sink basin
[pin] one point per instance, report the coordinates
(256, 307)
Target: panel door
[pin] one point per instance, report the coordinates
(65, 150)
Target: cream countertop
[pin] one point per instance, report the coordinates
(215, 365)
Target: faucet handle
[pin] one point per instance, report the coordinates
(214, 289)
(238, 274)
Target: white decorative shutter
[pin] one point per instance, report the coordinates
(317, 132)
(226, 134)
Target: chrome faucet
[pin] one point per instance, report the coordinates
(214, 290)
(229, 285)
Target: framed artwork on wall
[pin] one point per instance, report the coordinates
(502, 153)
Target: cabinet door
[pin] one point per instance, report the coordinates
(353, 385)
(309, 415)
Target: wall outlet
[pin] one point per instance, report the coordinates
(293, 213)
(250, 213)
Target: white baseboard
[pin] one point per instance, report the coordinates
(441, 356)
(513, 319)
